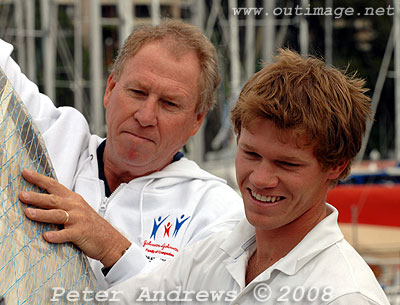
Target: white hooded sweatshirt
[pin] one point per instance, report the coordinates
(160, 213)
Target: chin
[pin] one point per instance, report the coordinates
(258, 221)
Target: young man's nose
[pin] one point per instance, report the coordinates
(264, 176)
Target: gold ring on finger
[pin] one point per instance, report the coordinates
(66, 218)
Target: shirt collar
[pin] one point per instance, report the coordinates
(322, 236)
(243, 235)
(325, 234)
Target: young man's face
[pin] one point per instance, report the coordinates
(282, 183)
(150, 109)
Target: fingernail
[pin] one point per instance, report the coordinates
(48, 236)
(24, 195)
(32, 212)
(27, 171)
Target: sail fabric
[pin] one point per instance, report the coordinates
(30, 267)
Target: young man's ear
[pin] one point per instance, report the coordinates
(335, 172)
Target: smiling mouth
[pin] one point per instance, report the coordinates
(266, 199)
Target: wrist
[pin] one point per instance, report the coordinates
(105, 270)
(110, 260)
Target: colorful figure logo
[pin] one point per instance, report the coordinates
(178, 224)
(157, 222)
(167, 227)
(156, 225)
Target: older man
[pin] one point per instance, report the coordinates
(299, 125)
(131, 200)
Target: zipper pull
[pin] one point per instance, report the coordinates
(103, 207)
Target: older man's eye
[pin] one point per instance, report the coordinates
(137, 92)
(169, 104)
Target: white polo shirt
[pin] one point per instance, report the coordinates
(322, 269)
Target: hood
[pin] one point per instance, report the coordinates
(174, 173)
(178, 172)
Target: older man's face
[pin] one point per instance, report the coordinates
(150, 109)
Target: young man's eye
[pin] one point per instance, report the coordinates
(251, 154)
(289, 164)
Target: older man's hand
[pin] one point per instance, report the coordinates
(85, 228)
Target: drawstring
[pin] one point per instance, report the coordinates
(141, 210)
(88, 159)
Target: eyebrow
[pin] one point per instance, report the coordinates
(246, 146)
(281, 157)
(176, 96)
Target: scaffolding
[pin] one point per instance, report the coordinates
(18, 26)
(46, 48)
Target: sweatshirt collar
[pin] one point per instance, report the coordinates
(100, 152)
